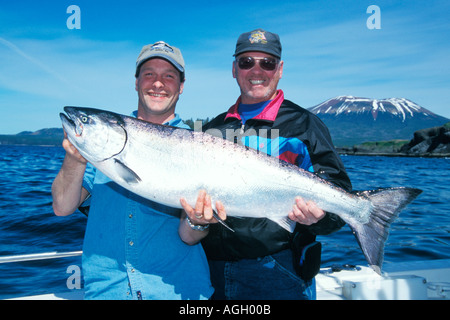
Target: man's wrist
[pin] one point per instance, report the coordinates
(197, 227)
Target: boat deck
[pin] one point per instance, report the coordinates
(415, 280)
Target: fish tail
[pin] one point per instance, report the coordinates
(387, 204)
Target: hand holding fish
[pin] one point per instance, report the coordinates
(203, 213)
(306, 213)
(71, 151)
(194, 223)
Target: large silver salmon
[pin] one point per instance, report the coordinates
(164, 164)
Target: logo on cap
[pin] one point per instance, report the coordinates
(257, 37)
(161, 46)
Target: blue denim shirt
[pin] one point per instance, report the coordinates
(132, 249)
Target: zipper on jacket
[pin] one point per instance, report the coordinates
(241, 133)
(242, 129)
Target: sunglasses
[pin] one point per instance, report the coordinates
(268, 64)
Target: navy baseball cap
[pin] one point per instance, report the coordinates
(259, 40)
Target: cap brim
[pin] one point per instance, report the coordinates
(256, 49)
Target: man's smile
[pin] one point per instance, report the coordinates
(256, 82)
(157, 95)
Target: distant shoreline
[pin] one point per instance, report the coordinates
(30, 145)
(395, 154)
(341, 151)
(426, 143)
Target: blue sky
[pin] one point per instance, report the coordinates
(327, 51)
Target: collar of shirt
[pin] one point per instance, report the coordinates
(249, 111)
(174, 122)
(269, 113)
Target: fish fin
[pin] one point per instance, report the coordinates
(371, 236)
(128, 175)
(221, 221)
(285, 223)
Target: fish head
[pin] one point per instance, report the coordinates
(98, 135)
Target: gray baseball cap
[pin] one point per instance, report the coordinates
(163, 50)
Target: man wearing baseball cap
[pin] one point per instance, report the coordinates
(132, 248)
(160, 79)
(260, 259)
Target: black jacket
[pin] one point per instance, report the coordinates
(298, 129)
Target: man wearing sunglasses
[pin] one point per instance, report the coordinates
(261, 260)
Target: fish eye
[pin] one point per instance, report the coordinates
(84, 119)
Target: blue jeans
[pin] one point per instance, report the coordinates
(267, 278)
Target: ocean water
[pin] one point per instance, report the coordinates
(421, 232)
(28, 225)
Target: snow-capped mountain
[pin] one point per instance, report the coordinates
(354, 120)
(401, 107)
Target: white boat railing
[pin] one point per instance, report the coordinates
(69, 295)
(39, 256)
